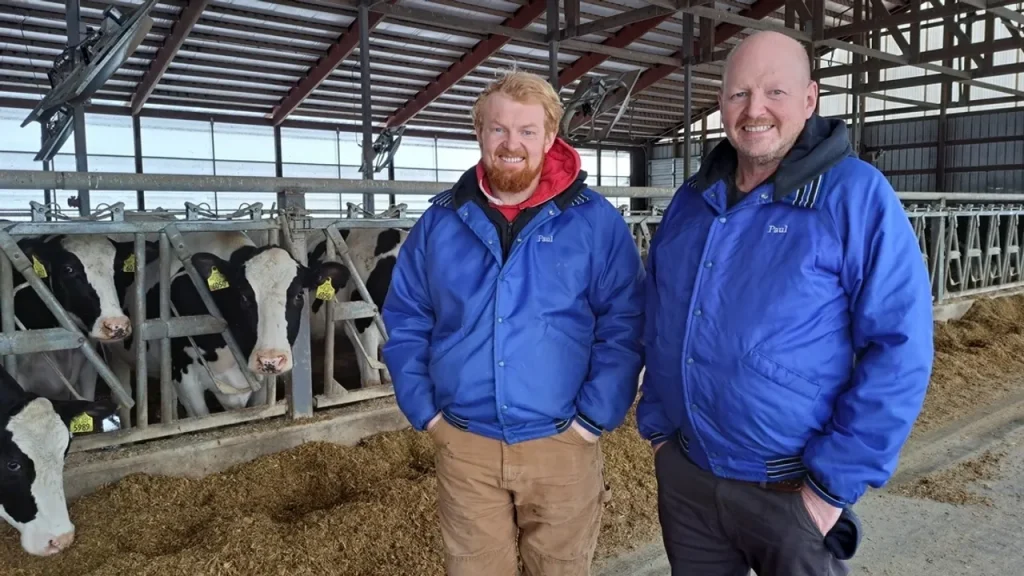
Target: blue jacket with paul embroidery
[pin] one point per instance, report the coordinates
(513, 331)
(789, 334)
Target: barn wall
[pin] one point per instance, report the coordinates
(983, 152)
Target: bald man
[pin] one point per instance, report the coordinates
(788, 336)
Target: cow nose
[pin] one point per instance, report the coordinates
(271, 363)
(115, 328)
(62, 542)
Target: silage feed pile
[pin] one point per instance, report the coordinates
(319, 509)
(371, 509)
(979, 359)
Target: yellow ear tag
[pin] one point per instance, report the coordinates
(325, 291)
(216, 281)
(81, 423)
(129, 264)
(38, 267)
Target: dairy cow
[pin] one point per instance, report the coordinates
(34, 438)
(259, 290)
(374, 252)
(88, 276)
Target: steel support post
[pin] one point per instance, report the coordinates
(140, 195)
(364, 73)
(300, 389)
(688, 95)
(855, 81)
(141, 371)
(168, 395)
(553, 31)
(7, 311)
(75, 27)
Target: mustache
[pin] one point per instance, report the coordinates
(504, 151)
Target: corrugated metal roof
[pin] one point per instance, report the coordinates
(246, 56)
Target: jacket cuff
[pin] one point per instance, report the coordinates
(588, 424)
(823, 494)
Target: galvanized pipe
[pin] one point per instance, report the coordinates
(42, 340)
(330, 389)
(141, 372)
(168, 399)
(7, 312)
(37, 180)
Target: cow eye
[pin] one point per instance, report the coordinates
(13, 466)
(69, 270)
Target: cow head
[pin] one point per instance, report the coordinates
(260, 293)
(88, 276)
(34, 438)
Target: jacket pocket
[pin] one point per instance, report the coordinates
(570, 343)
(780, 375)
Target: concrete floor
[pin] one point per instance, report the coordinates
(913, 537)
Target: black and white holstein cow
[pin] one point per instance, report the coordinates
(87, 274)
(374, 252)
(34, 438)
(259, 290)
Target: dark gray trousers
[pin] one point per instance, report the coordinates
(718, 527)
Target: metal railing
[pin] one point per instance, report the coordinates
(969, 242)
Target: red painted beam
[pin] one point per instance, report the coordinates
(347, 42)
(180, 30)
(624, 37)
(652, 76)
(457, 71)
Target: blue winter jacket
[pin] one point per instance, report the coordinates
(790, 334)
(513, 331)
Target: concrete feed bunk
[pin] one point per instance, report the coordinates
(370, 509)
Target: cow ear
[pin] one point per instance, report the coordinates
(326, 279)
(68, 410)
(39, 254)
(213, 269)
(124, 260)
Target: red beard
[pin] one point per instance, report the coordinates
(511, 181)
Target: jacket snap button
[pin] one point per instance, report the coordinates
(689, 360)
(722, 219)
(551, 212)
(501, 363)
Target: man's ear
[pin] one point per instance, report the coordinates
(326, 279)
(68, 410)
(214, 270)
(38, 253)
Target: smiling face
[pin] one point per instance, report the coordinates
(513, 142)
(767, 96)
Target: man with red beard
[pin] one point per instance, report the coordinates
(515, 322)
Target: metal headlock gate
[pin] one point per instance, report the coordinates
(970, 244)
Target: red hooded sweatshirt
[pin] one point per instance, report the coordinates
(561, 166)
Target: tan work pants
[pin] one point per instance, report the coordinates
(545, 495)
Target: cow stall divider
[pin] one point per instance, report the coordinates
(970, 244)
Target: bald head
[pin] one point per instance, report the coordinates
(771, 47)
(766, 97)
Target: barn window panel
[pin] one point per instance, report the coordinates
(167, 138)
(242, 142)
(15, 138)
(107, 135)
(302, 146)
